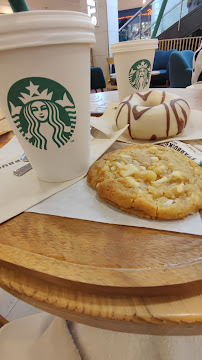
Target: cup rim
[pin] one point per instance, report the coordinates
(45, 27)
(134, 45)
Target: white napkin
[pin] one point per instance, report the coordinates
(17, 194)
(80, 201)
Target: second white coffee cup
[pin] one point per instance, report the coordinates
(133, 65)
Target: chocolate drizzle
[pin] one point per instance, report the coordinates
(137, 114)
(129, 109)
(153, 137)
(145, 96)
(180, 122)
(163, 97)
(167, 118)
(185, 114)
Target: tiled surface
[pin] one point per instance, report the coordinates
(11, 308)
(20, 310)
(7, 302)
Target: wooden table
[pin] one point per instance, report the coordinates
(45, 262)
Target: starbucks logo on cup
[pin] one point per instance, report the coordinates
(139, 74)
(36, 100)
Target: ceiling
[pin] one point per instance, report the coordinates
(130, 4)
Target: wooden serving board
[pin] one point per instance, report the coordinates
(88, 255)
(99, 257)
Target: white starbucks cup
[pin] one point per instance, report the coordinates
(45, 88)
(133, 65)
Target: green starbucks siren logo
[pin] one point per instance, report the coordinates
(139, 74)
(36, 100)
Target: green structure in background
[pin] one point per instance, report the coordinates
(160, 15)
(18, 5)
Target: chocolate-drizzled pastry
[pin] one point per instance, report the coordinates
(152, 115)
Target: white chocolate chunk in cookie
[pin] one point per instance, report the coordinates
(159, 169)
(162, 180)
(105, 168)
(149, 175)
(123, 156)
(154, 158)
(113, 168)
(118, 164)
(177, 175)
(178, 189)
(168, 202)
(131, 181)
(129, 169)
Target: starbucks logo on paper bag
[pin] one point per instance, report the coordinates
(139, 74)
(36, 100)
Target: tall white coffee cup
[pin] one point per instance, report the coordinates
(45, 88)
(133, 64)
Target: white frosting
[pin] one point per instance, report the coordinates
(152, 114)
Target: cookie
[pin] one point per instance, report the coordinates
(148, 181)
